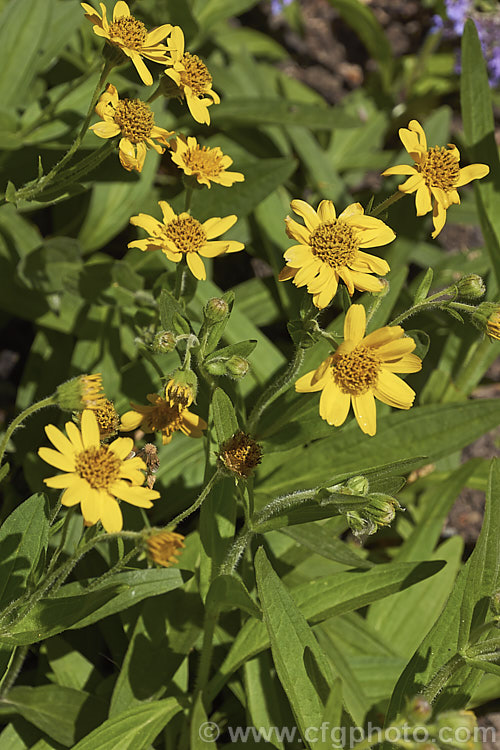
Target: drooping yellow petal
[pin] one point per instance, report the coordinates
(393, 391)
(196, 266)
(306, 212)
(334, 404)
(90, 505)
(355, 323)
(406, 364)
(423, 200)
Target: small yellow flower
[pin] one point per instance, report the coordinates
(135, 121)
(206, 164)
(329, 250)
(240, 454)
(192, 78)
(95, 474)
(164, 546)
(166, 415)
(130, 36)
(435, 176)
(362, 369)
(182, 235)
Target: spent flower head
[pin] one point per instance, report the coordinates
(183, 236)
(191, 77)
(134, 120)
(205, 164)
(436, 175)
(130, 36)
(486, 317)
(329, 250)
(95, 475)
(240, 455)
(361, 369)
(108, 419)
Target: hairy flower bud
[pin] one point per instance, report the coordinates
(237, 367)
(82, 392)
(164, 342)
(216, 310)
(471, 286)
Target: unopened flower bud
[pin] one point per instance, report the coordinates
(181, 388)
(382, 509)
(216, 310)
(456, 729)
(359, 525)
(486, 317)
(471, 286)
(237, 367)
(164, 342)
(358, 485)
(82, 392)
(419, 709)
(216, 367)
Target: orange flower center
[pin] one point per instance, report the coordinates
(135, 118)
(186, 233)
(128, 32)
(440, 168)
(195, 74)
(356, 372)
(204, 160)
(334, 242)
(98, 466)
(163, 417)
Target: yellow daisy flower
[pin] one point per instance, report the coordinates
(192, 78)
(166, 415)
(95, 474)
(206, 164)
(135, 121)
(163, 546)
(182, 235)
(130, 36)
(435, 176)
(362, 369)
(329, 250)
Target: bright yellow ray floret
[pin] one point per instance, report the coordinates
(96, 475)
(179, 236)
(435, 176)
(206, 164)
(329, 250)
(361, 369)
(130, 35)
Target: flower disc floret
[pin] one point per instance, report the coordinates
(241, 454)
(183, 236)
(436, 175)
(134, 120)
(330, 250)
(96, 475)
(128, 34)
(361, 369)
(206, 164)
(191, 77)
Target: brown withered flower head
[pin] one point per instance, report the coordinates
(240, 454)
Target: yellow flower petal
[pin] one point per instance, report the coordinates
(326, 211)
(399, 169)
(196, 266)
(423, 200)
(90, 505)
(61, 481)
(216, 226)
(139, 496)
(383, 336)
(90, 430)
(355, 323)
(122, 447)
(305, 383)
(59, 460)
(59, 440)
(472, 172)
(393, 391)
(334, 404)
(75, 492)
(120, 10)
(306, 212)
(130, 421)
(407, 363)
(365, 412)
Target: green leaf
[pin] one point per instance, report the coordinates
(465, 610)
(226, 423)
(261, 178)
(479, 130)
(319, 540)
(423, 287)
(434, 430)
(250, 111)
(74, 608)
(323, 598)
(266, 702)
(241, 349)
(228, 592)
(62, 712)
(169, 308)
(23, 32)
(300, 662)
(4, 470)
(135, 729)
(23, 537)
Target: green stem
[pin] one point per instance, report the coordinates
(385, 204)
(236, 551)
(49, 401)
(116, 568)
(187, 201)
(36, 186)
(474, 367)
(209, 625)
(180, 278)
(442, 677)
(13, 670)
(275, 390)
(199, 500)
